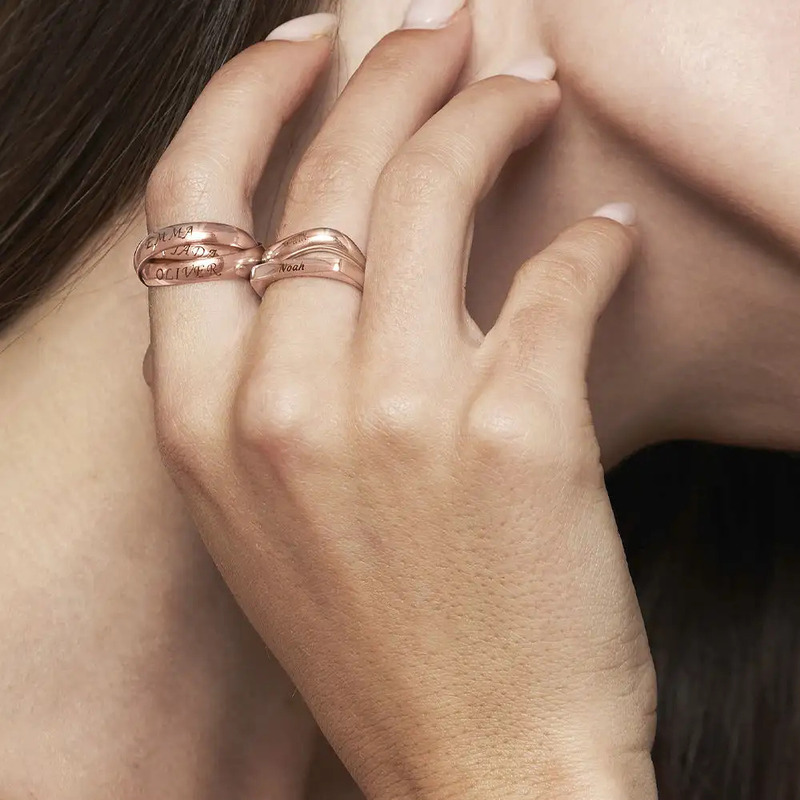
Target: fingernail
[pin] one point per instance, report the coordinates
(431, 13)
(624, 213)
(539, 68)
(304, 29)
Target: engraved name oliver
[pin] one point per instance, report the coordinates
(188, 273)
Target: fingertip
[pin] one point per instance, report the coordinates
(432, 14)
(623, 213)
(626, 218)
(309, 28)
(538, 69)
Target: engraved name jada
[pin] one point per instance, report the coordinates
(192, 251)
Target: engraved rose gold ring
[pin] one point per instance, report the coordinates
(318, 252)
(196, 252)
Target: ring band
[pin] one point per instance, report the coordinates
(198, 252)
(194, 252)
(173, 271)
(321, 265)
(317, 252)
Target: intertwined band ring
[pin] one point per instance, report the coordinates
(196, 252)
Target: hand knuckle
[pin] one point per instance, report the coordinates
(556, 287)
(394, 59)
(531, 325)
(273, 417)
(496, 426)
(329, 169)
(529, 431)
(177, 183)
(567, 271)
(427, 177)
(234, 75)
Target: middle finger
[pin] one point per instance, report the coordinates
(424, 210)
(401, 83)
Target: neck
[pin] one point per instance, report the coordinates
(149, 644)
(702, 340)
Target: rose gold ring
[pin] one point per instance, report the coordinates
(318, 253)
(194, 252)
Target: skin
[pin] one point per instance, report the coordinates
(334, 495)
(123, 568)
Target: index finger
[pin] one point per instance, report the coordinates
(209, 173)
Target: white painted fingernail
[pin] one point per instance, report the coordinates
(624, 213)
(431, 13)
(304, 29)
(539, 68)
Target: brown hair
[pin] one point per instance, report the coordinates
(92, 92)
(713, 541)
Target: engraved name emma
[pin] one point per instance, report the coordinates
(167, 235)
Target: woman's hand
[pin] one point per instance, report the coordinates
(413, 515)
